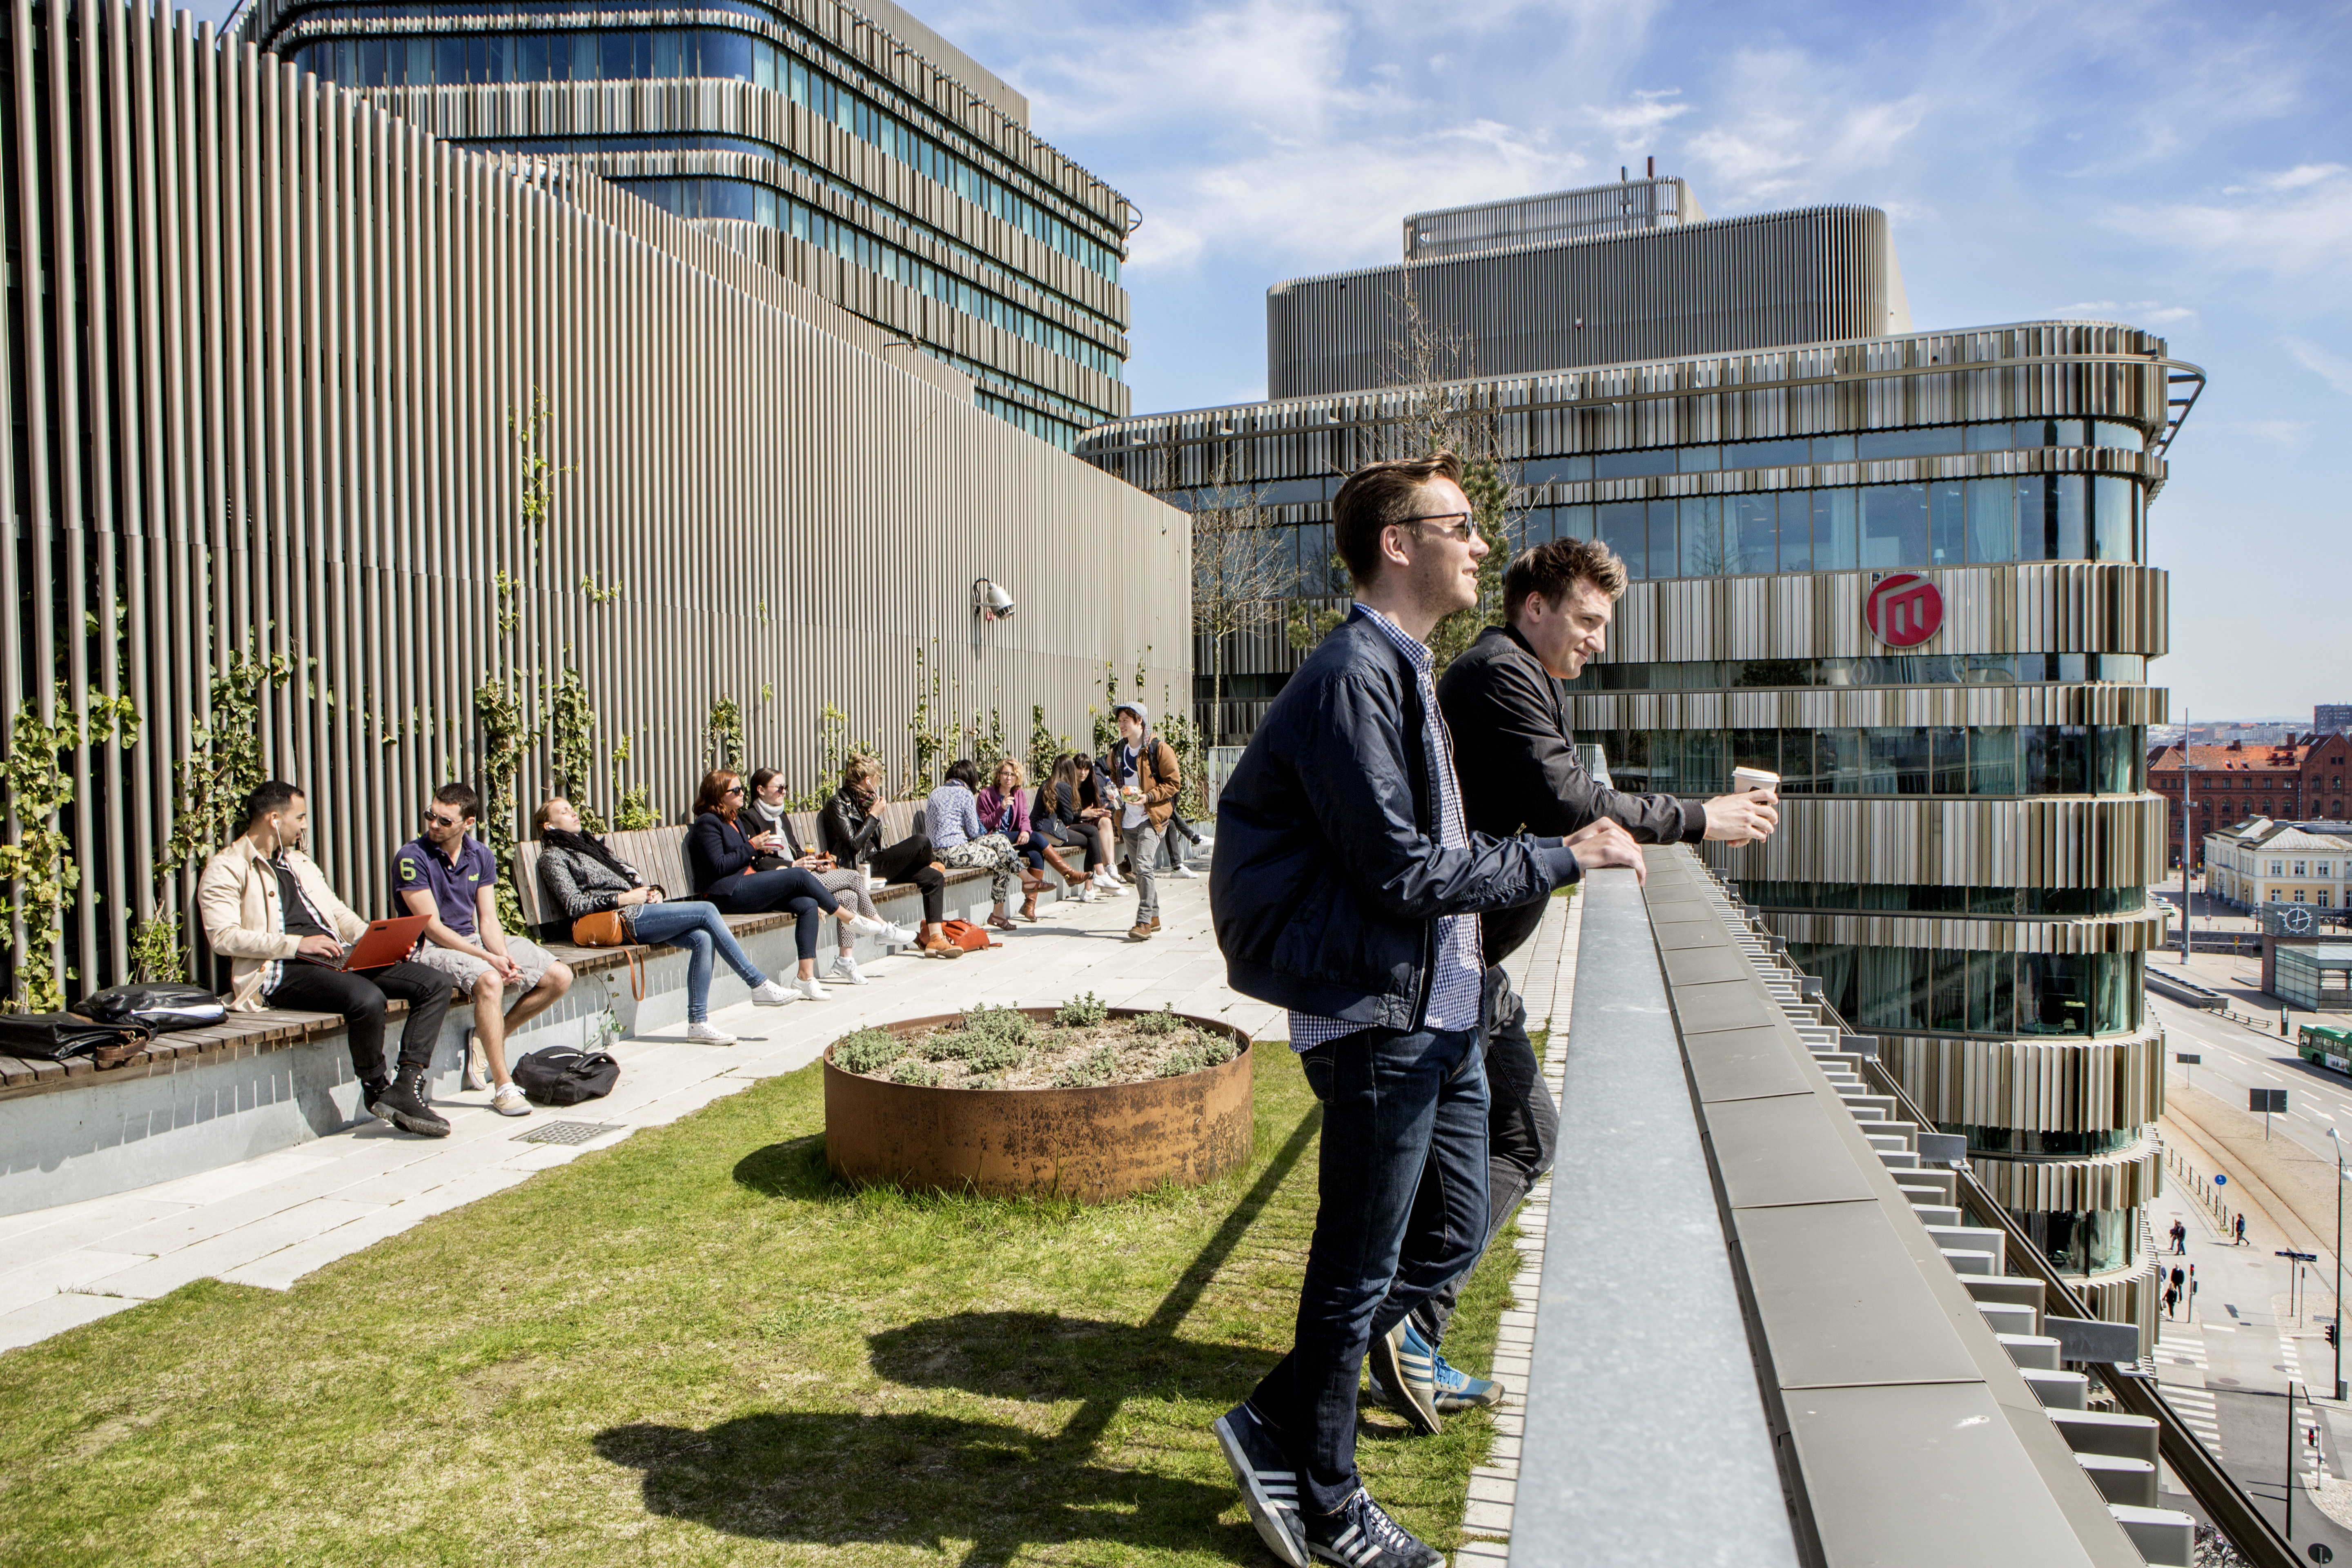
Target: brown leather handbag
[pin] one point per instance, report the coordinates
(609, 928)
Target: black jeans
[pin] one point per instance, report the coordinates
(792, 889)
(910, 860)
(1402, 1113)
(1522, 1135)
(360, 998)
(1076, 837)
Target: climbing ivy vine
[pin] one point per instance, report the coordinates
(36, 785)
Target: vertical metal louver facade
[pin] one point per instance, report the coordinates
(1820, 275)
(267, 347)
(850, 149)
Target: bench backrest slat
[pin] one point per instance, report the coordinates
(658, 853)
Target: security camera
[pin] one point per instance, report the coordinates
(990, 602)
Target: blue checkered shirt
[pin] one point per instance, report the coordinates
(1453, 989)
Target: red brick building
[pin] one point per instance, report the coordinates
(2327, 765)
(2228, 784)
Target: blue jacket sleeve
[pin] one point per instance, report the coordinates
(1355, 777)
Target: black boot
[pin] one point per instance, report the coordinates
(402, 1105)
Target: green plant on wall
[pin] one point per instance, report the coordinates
(635, 807)
(223, 766)
(931, 731)
(722, 734)
(571, 745)
(1105, 727)
(36, 785)
(986, 744)
(506, 739)
(1045, 745)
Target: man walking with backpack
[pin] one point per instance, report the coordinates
(1346, 888)
(1148, 778)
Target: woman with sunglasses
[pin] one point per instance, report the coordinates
(720, 854)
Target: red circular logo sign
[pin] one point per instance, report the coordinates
(1904, 609)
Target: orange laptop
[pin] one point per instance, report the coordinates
(385, 943)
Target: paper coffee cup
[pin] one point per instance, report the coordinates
(1746, 779)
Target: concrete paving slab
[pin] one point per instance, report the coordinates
(54, 1315)
(65, 1271)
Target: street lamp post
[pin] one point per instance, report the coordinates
(2336, 1138)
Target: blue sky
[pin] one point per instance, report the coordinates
(2186, 169)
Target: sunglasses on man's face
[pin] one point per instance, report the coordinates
(434, 820)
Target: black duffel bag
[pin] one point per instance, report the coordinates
(162, 1006)
(62, 1037)
(560, 1076)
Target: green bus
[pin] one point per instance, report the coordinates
(2326, 1045)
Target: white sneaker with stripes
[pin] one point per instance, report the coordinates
(1362, 1535)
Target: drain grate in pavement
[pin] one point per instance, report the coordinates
(567, 1132)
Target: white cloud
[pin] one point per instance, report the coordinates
(2332, 368)
(2292, 223)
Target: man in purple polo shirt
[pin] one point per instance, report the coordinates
(446, 872)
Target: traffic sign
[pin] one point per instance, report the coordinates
(2220, 1180)
(2191, 1059)
(2300, 1256)
(2266, 1101)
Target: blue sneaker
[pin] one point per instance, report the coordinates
(1457, 1389)
(1404, 1375)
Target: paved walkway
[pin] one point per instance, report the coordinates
(270, 1220)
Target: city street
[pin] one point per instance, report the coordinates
(2251, 1328)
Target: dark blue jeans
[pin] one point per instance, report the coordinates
(702, 931)
(790, 888)
(1400, 1112)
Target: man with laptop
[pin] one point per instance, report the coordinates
(291, 944)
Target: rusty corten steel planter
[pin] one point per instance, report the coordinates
(1093, 1144)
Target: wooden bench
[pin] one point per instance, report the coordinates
(658, 856)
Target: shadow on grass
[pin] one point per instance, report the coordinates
(922, 1480)
(915, 1480)
(793, 1169)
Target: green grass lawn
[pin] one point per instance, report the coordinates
(697, 1348)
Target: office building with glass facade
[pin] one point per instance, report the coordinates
(1908, 573)
(852, 150)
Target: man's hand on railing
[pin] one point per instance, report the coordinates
(1604, 843)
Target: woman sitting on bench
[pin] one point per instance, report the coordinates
(722, 858)
(582, 876)
(765, 818)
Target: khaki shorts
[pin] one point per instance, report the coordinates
(463, 968)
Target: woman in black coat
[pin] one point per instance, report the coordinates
(724, 860)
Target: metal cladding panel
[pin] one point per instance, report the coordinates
(1820, 275)
(1860, 707)
(273, 397)
(2112, 933)
(2069, 841)
(2038, 1085)
(2055, 607)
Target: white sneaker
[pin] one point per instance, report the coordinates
(864, 925)
(1104, 881)
(702, 1032)
(810, 991)
(901, 936)
(508, 1101)
(772, 993)
(845, 971)
(1088, 893)
(1185, 871)
(477, 1064)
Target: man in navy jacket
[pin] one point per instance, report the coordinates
(1346, 888)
